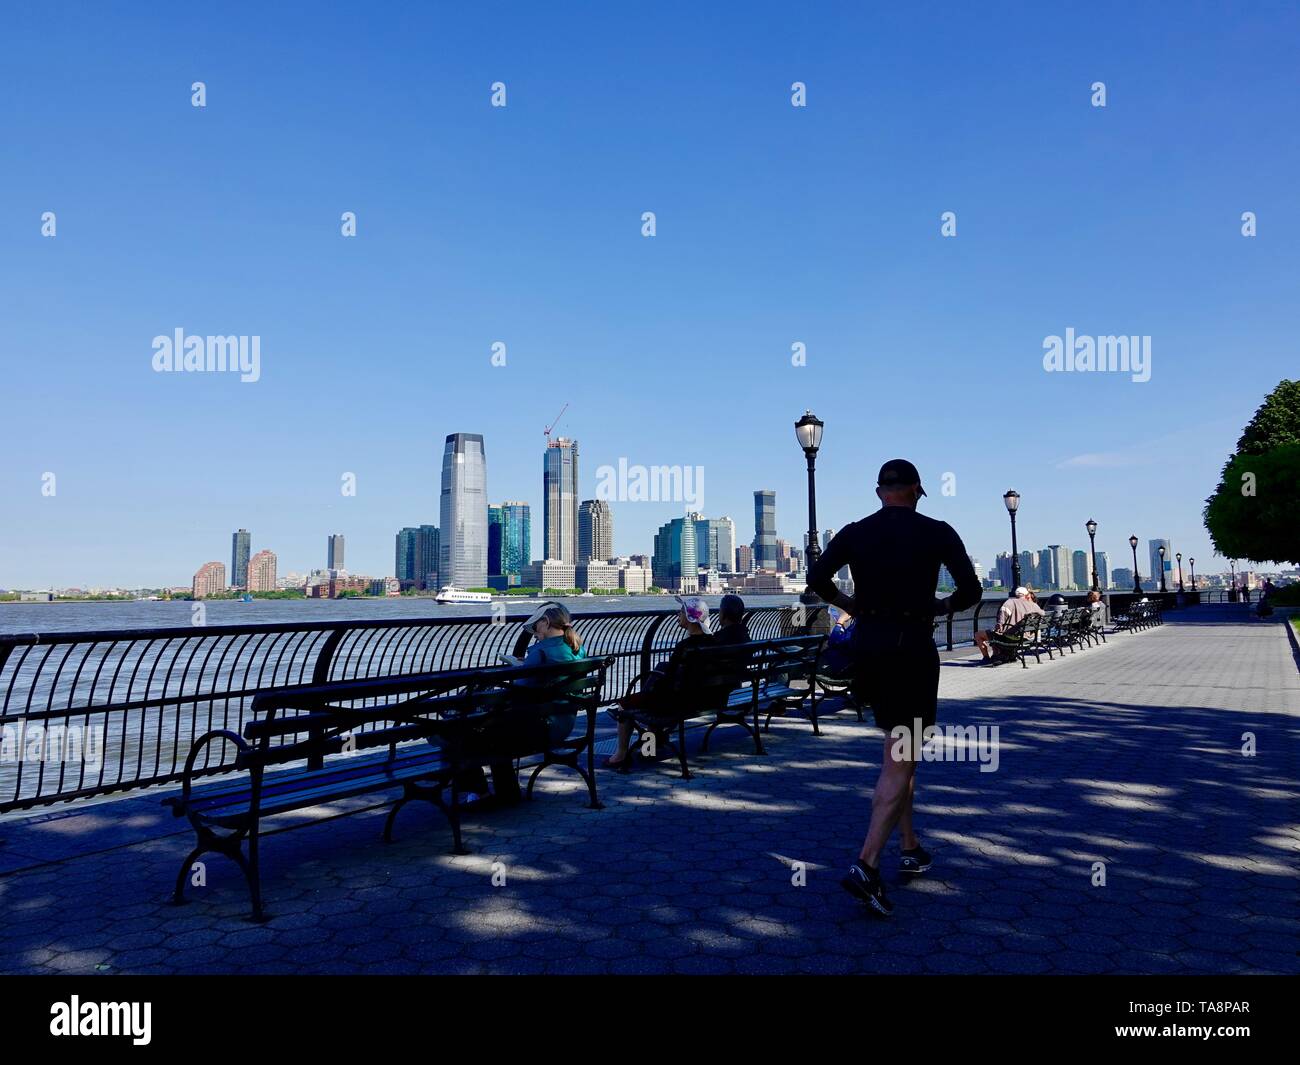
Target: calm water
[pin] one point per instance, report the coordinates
(89, 617)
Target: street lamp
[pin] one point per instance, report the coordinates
(1161, 550)
(1091, 526)
(808, 431)
(1012, 499)
(1179, 556)
(1137, 584)
(1232, 565)
(1192, 562)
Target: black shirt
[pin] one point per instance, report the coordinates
(731, 634)
(894, 556)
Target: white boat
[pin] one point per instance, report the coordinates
(449, 594)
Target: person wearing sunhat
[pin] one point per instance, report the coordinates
(693, 619)
(894, 556)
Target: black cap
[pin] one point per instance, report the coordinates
(899, 473)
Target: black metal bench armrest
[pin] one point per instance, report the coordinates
(181, 802)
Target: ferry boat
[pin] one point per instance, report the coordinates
(449, 594)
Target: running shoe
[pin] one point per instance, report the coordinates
(915, 862)
(865, 885)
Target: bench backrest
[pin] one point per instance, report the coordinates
(709, 675)
(313, 721)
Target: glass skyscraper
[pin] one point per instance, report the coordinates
(510, 537)
(765, 531)
(560, 500)
(675, 553)
(334, 552)
(595, 531)
(240, 544)
(463, 527)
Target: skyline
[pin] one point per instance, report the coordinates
(776, 227)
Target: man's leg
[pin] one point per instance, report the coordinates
(892, 796)
(982, 641)
(906, 835)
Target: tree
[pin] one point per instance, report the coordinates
(1255, 511)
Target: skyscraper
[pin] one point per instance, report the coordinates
(560, 500)
(595, 531)
(428, 557)
(404, 557)
(765, 530)
(261, 572)
(725, 530)
(209, 580)
(462, 529)
(1153, 549)
(240, 544)
(1103, 570)
(1082, 576)
(1004, 568)
(334, 552)
(675, 558)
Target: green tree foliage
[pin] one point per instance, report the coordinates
(1255, 511)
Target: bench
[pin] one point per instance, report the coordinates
(318, 736)
(733, 684)
(1138, 616)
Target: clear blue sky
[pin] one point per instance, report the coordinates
(523, 225)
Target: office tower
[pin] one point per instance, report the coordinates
(1153, 553)
(334, 553)
(428, 557)
(496, 519)
(765, 531)
(261, 572)
(1103, 570)
(209, 580)
(595, 531)
(560, 500)
(516, 537)
(1054, 564)
(1122, 577)
(463, 528)
(240, 543)
(404, 568)
(675, 556)
(744, 559)
(722, 543)
(1082, 571)
(1004, 576)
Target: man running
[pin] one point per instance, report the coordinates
(894, 556)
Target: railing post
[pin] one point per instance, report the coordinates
(949, 630)
(320, 674)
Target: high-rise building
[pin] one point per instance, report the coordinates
(595, 531)
(765, 530)
(1155, 568)
(261, 572)
(744, 559)
(510, 539)
(715, 542)
(1054, 567)
(240, 544)
(463, 528)
(1002, 567)
(428, 557)
(1082, 574)
(1029, 569)
(560, 500)
(1103, 570)
(334, 552)
(404, 557)
(1123, 578)
(675, 559)
(209, 580)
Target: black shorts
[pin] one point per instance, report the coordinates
(901, 684)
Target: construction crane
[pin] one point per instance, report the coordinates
(547, 431)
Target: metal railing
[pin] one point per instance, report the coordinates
(87, 713)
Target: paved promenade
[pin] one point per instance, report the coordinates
(1128, 754)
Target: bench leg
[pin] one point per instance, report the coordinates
(704, 742)
(758, 736)
(178, 897)
(251, 873)
(681, 750)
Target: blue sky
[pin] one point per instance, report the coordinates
(522, 224)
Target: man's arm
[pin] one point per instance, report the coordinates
(821, 578)
(969, 589)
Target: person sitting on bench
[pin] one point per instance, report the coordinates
(837, 659)
(731, 621)
(693, 618)
(1011, 613)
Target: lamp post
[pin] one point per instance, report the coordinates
(1137, 583)
(1012, 501)
(1192, 562)
(808, 431)
(1161, 550)
(1179, 556)
(1091, 526)
(1232, 566)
